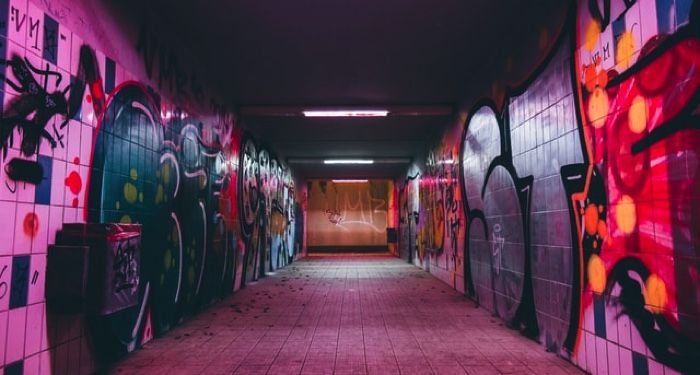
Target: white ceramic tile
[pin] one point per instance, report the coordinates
(35, 30)
(64, 47)
(23, 236)
(3, 329)
(37, 277)
(18, 19)
(35, 322)
(40, 240)
(58, 182)
(601, 356)
(613, 358)
(16, 326)
(7, 220)
(626, 362)
(31, 364)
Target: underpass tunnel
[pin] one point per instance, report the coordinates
(308, 187)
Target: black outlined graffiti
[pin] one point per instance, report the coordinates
(31, 111)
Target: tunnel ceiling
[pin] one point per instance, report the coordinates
(364, 53)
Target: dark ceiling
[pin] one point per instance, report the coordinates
(331, 53)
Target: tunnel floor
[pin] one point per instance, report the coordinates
(359, 314)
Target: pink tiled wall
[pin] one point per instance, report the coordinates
(34, 340)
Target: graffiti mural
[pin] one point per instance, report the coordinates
(440, 213)
(267, 216)
(83, 140)
(408, 218)
(580, 189)
(348, 213)
(636, 70)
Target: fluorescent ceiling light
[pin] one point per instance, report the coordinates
(347, 113)
(348, 161)
(349, 181)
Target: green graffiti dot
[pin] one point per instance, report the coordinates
(167, 259)
(166, 173)
(160, 195)
(130, 192)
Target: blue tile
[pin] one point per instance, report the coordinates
(20, 281)
(16, 368)
(665, 16)
(50, 39)
(640, 364)
(42, 193)
(4, 13)
(599, 315)
(110, 74)
(683, 11)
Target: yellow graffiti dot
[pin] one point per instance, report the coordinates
(625, 49)
(167, 259)
(166, 173)
(656, 296)
(130, 192)
(202, 182)
(626, 214)
(590, 219)
(159, 194)
(126, 219)
(596, 274)
(134, 174)
(592, 35)
(637, 115)
(117, 205)
(598, 107)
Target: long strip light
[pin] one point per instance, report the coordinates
(347, 113)
(348, 161)
(350, 181)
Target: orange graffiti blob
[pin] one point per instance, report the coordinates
(656, 296)
(590, 218)
(596, 274)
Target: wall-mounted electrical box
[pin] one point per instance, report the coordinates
(94, 268)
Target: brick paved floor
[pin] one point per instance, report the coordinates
(344, 314)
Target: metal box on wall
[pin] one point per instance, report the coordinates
(112, 272)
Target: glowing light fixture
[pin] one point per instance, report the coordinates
(350, 181)
(347, 113)
(348, 161)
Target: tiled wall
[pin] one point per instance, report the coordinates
(580, 192)
(82, 139)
